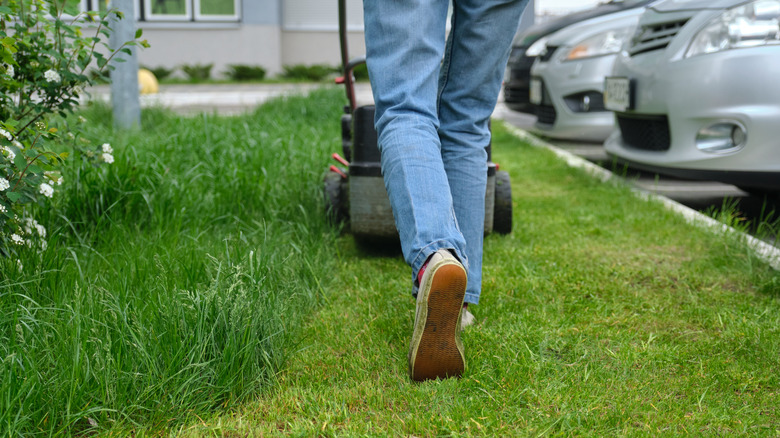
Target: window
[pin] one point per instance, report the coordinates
(168, 10)
(191, 10)
(216, 9)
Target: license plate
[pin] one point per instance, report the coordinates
(536, 91)
(618, 94)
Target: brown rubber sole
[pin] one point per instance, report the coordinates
(439, 352)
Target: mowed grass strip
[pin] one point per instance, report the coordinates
(602, 314)
(177, 279)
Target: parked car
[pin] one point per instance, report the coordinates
(696, 92)
(567, 79)
(529, 43)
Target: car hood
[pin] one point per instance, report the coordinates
(537, 31)
(688, 5)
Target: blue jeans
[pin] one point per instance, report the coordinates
(433, 103)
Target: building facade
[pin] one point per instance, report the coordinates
(266, 33)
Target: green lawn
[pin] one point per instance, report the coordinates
(194, 288)
(602, 314)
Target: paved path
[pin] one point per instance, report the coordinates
(223, 98)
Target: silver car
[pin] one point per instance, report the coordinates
(696, 92)
(567, 79)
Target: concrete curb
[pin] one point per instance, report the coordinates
(764, 251)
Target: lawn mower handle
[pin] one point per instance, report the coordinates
(347, 64)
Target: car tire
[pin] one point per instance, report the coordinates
(760, 192)
(502, 210)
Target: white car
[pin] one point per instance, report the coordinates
(696, 92)
(567, 79)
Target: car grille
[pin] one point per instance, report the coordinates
(646, 132)
(654, 37)
(516, 94)
(516, 89)
(545, 114)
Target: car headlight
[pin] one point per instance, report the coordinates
(604, 43)
(750, 25)
(537, 48)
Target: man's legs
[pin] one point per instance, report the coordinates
(405, 44)
(471, 74)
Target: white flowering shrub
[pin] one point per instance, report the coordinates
(44, 58)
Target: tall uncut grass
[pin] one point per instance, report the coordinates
(176, 279)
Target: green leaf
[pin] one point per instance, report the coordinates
(138, 33)
(13, 196)
(20, 161)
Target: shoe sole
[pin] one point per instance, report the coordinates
(437, 351)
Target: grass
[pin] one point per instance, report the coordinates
(177, 279)
(602, 314)
(194, 289)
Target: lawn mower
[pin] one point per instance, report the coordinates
(355, 193)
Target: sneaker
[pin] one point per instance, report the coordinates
(466, 318)
(436, 350)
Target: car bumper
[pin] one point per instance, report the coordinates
(566, 85)
(684, 96)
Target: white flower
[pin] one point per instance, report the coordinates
(81, 118)
(108, 158)
(17, 239)
(9, 152)
(4, 184)
(19, 265)
(55, 177)
(30, 224)
(2, 209)
(107, 148)
(9, 70)
(51, 76)
(46, 190)
(6, 134)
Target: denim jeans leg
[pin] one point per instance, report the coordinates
(405, 42)
(475, 57)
